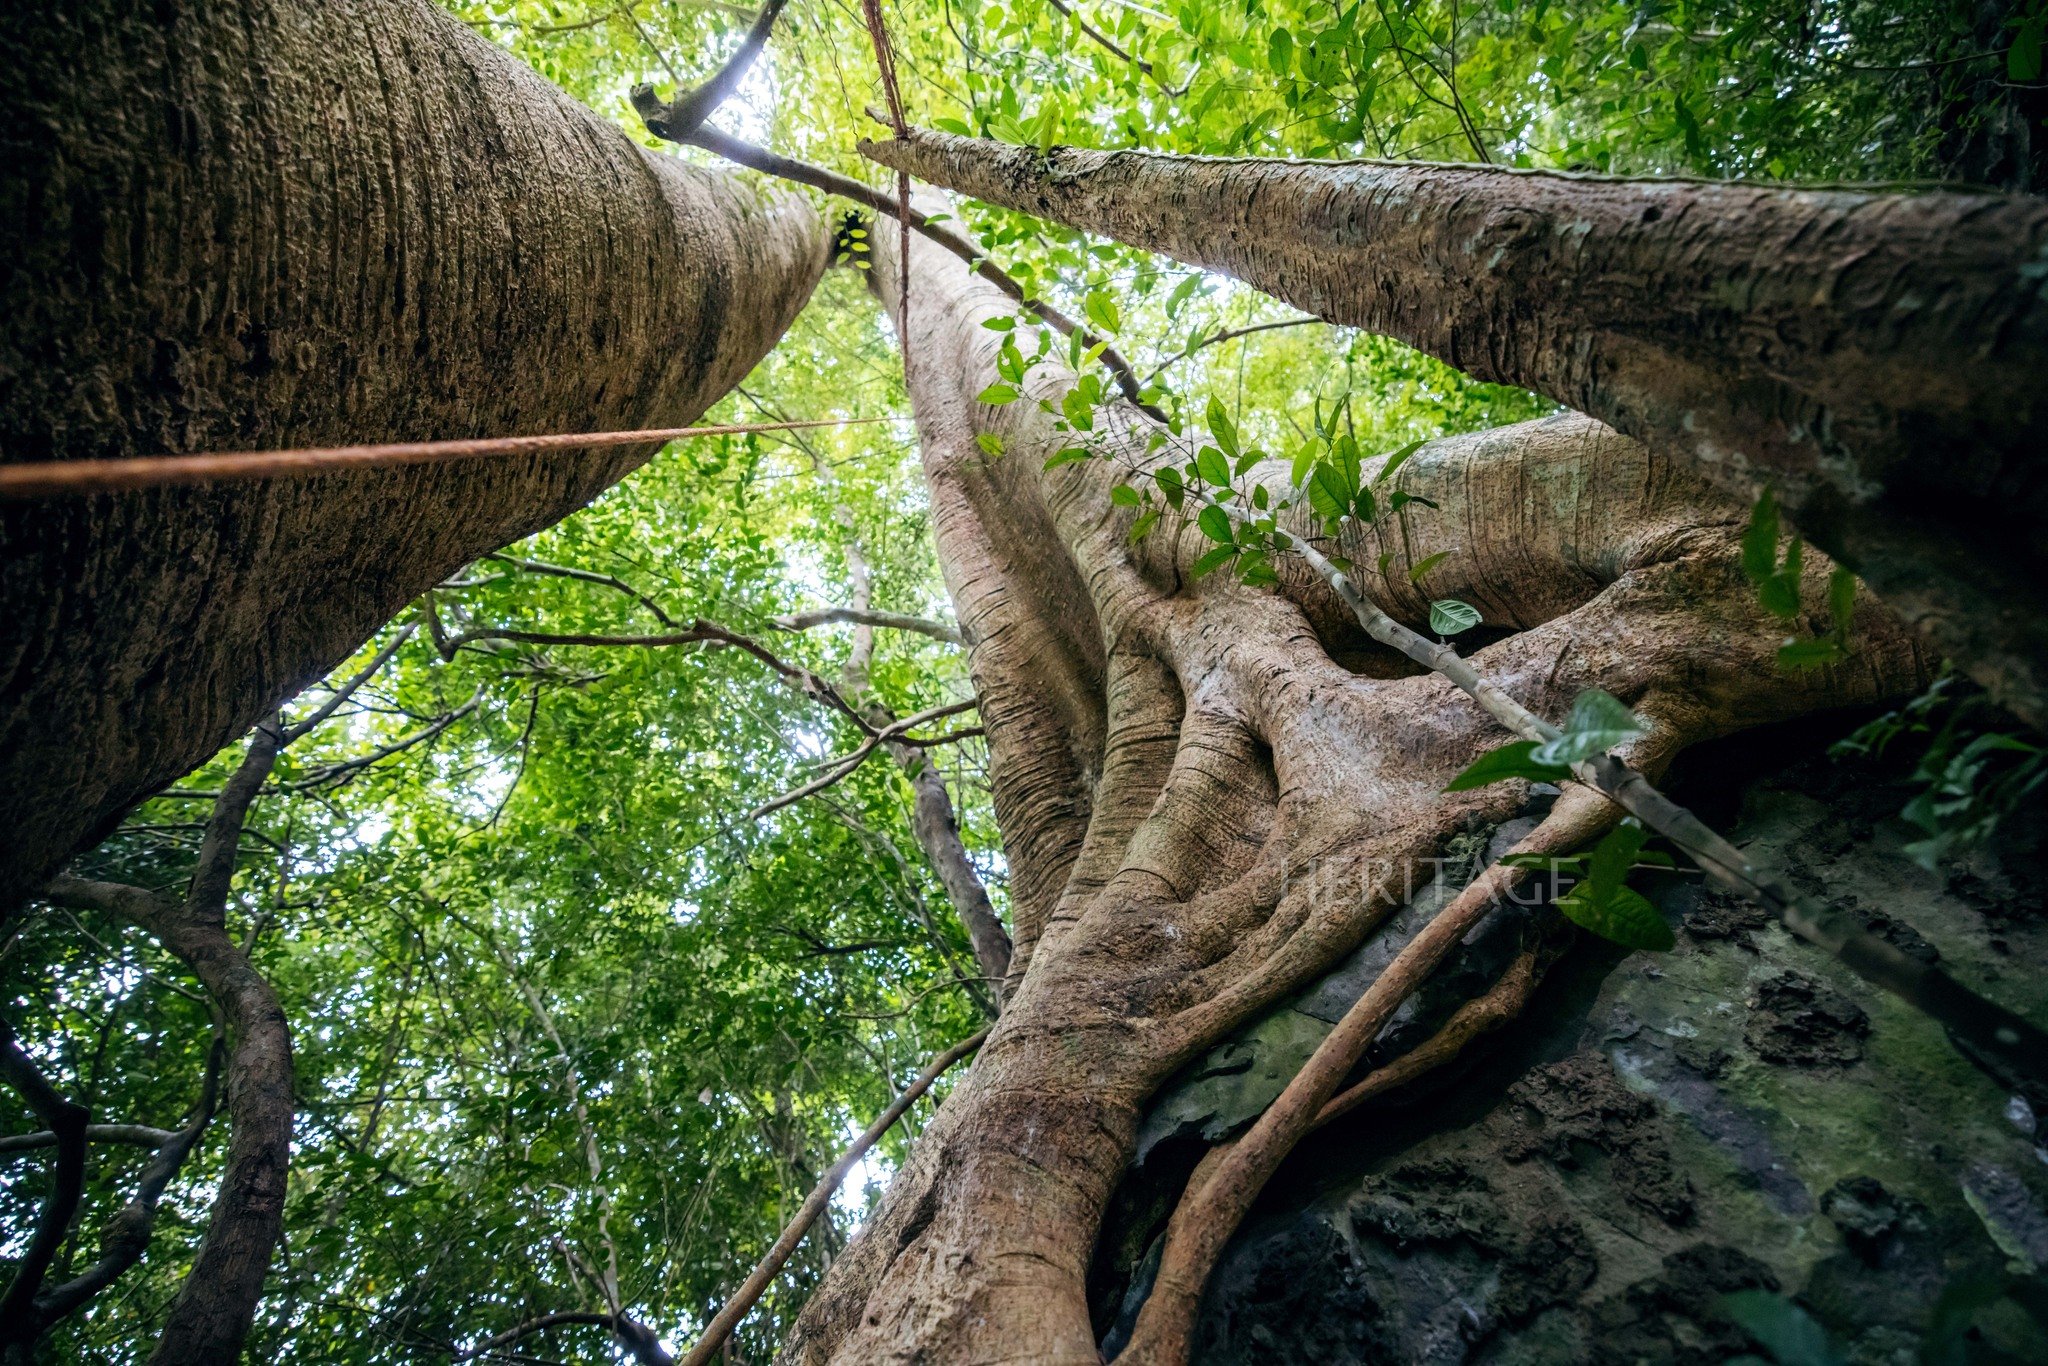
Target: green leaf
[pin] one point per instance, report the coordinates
(1366, 507)
(1607, 866)
(990, 443)
(1626, 917)
(1842, 600)
(1280, 53)
(1213, 467)
(1598, 722)
(1327, 494)
(1256, 571)
(997, 394)
(1787, 1332)
(1421, 568)
(1171, 484)
(1066, 457)
(1395, 461)
(1124, 496)
(1142, 528)
(1304, 461)
(1215, 524)
(1798, 655)
(1221, 428)
(1448, 616)
(1101, 310)
(1514, 760)
(1209, 562)
(1003, 324)
(2023, 58)
(1760, 540)
(1780, 595)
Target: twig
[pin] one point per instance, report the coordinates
(1227, 334)
(728, 1317)
(893, 731)
(587, 576)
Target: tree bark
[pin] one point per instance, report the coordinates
(256, 224)
(1874, 357)
(1203, 809)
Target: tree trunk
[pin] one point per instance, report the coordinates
(257, 224)
(1209, 794)
(1875, 358)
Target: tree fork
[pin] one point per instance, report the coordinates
(1876, 358)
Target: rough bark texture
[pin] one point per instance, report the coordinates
(258, 224)
(1876, 358)
(1653, 1132)
(1210, 794)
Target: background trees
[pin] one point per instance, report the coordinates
(550, 885)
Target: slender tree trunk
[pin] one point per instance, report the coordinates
(257, 224)
(1877, 358)
(1209, 793)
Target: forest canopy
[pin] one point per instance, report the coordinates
(596, 950)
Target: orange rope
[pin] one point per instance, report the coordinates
(36, 479)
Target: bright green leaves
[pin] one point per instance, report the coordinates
(1778, 583)
(1598, 722)
(1514, 760)
(1600, 898)
(1418, 571)
(1100, 309)
(1215, 524)
(1213, 467)
(1124, 496)
(997, 394)
(1448, 616)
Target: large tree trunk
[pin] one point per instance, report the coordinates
(1876, 358)
(1209, 794)
(257, 224)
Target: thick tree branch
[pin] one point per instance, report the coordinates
(729, 1315)
(1803, 338)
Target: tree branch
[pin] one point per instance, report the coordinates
(683, 115)
(728, 1317)
(893, 731)
(18, 1319)
(127, 1235)
(1217, 338)
(634, 1336)
(864, 616)
(137, 1135)
(588, 576)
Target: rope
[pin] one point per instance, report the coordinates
(46, 478)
